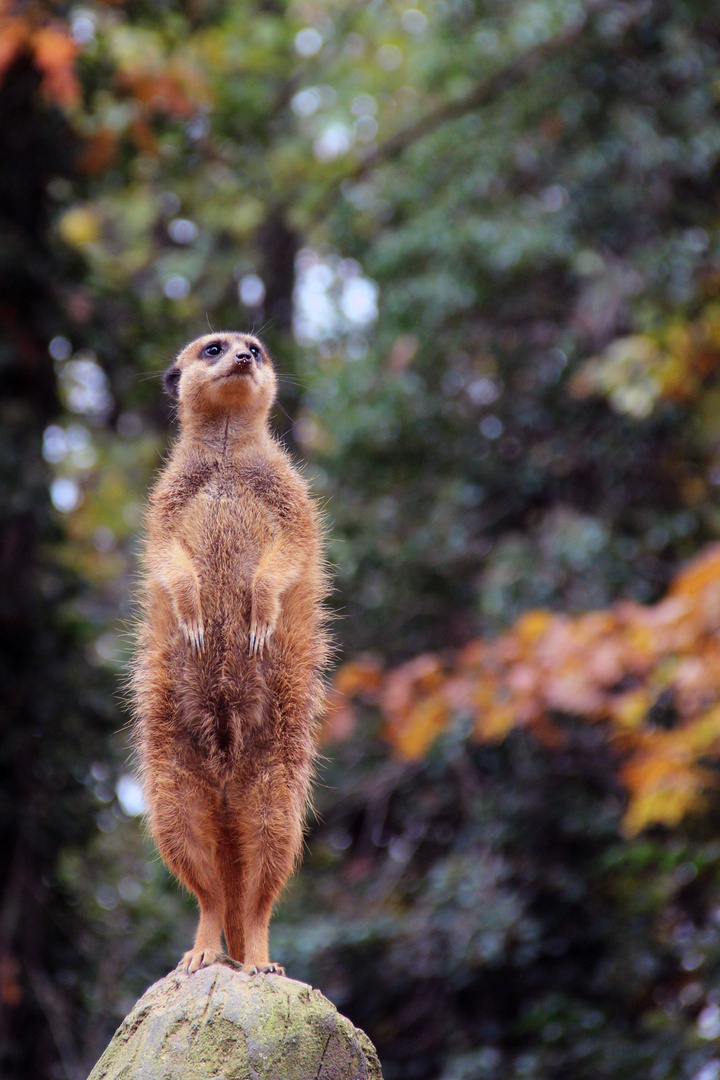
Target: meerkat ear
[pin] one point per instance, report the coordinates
(171, 381)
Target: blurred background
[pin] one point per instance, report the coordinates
(482, 240)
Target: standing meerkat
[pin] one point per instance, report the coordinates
(227, 681)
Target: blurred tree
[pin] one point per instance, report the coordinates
(482, 240)
(55, 715)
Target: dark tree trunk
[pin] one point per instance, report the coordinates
(42, 736)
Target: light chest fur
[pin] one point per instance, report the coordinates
(226, 514)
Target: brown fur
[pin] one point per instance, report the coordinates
(227, 681)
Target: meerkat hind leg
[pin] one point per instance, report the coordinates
(207, 948)
(257, 932)
(230, 867)
(183, 826)
(271, 837)
(246, 932)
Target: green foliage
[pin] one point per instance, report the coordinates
(518, 187)
(481, 915)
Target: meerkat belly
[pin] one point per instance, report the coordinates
(228, 538)
(222, 691)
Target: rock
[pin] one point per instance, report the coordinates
(220, 1024)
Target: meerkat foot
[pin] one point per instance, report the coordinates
(268, 968)
(194, 636)
(259, 635)
(195, 959)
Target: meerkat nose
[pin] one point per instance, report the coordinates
(243, 358)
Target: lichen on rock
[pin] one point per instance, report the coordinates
(221, 1024)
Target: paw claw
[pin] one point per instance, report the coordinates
(194, 635)
(270, 968)
(195, 959)
(259, 636)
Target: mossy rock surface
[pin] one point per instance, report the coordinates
(220, 1024)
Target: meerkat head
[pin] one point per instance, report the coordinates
(221, 373)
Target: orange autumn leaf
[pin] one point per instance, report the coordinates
(55, 54)
(495, 722)
(701, 582)
(357, 678)
(663, 805)
(413, 733)
(629, 710)
(52, 50)
(403, 685)
(14, 36)
(665, 776)
(611, 667)
(361, 676)
(532, 625)
(414, 713)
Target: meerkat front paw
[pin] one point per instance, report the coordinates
(265, 611)
(188, 612)
(259, 635)
(194, 635)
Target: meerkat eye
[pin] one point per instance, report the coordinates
(213, 349)
(254, 350)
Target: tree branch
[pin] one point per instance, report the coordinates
(483, 93)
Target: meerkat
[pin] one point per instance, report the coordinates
(228, 677)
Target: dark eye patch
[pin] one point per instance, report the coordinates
(171, 381)
(256, 351)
